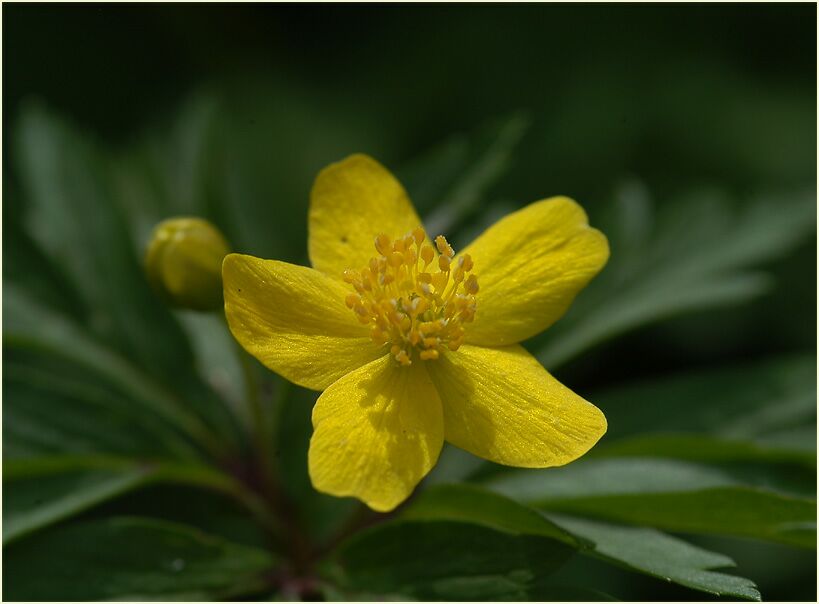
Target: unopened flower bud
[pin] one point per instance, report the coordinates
(184, 263)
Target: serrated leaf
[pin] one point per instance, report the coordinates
(698, 256)
(442, 560)
(641, 549)
(672, 495)
(659, 555)
(131, 559)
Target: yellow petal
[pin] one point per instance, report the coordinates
(377, 432)
(502, 405)
(530, 266)
(294, 320)
(351, 203)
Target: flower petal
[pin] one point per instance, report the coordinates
(530, 266)
(377, 432)
(294, 320)
(352, 202)
(502, 405)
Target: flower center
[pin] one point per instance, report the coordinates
(413, 302)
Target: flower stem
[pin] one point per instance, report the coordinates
(259, 426)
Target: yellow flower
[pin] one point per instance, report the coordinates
(413, 345)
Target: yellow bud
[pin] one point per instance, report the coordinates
(184, 263)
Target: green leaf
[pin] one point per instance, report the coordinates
(215, 510)
(737, 511)
(215, 352)
(718, 415)
(672, 495)
(258, 191)
(35, 327)
(42, 491)
(653, 553)
(73, 216)
(172, 170)
(640, 549)
(747, 402)
(131, 559)
(454, 465)
(696, 257)
(442, 560)
(320, 516)
(39, 494)
(452, 180)
(472, 504)
(707, 448)
(55, 406)
(27, 265)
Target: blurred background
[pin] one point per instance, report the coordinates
(687, 132)
(674, 97)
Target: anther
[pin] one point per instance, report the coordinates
(395, 259)
(443, 246)
(352, 300)
(383, 244)
(427, 254)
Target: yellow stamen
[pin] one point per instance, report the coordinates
(416, 310)
(427, 254)
(383, 244)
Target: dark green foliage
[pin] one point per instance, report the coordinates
(133, 467)
(131, 558)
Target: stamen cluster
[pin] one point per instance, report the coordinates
(414, 301)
